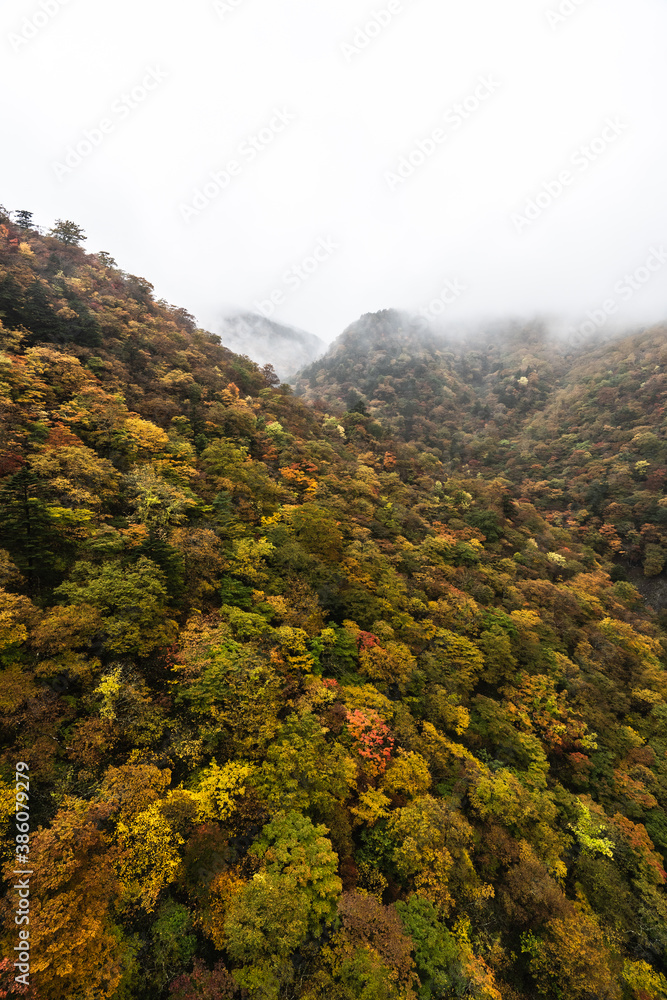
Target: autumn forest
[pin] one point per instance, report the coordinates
(352, 688)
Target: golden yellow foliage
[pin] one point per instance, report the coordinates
(16, 615)
(220, 788)
(148, 857)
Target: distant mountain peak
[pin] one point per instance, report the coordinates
(285, 347)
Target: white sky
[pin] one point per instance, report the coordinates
(324, 177)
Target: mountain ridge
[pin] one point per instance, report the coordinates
(519, 402)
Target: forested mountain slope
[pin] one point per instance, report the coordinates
(310, 710)
(580, 432)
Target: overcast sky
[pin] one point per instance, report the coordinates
(470, 158)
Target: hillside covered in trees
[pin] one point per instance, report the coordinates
(578, 430)
(344, 696)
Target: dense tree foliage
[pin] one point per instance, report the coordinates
(578, 430)
(345, 704)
